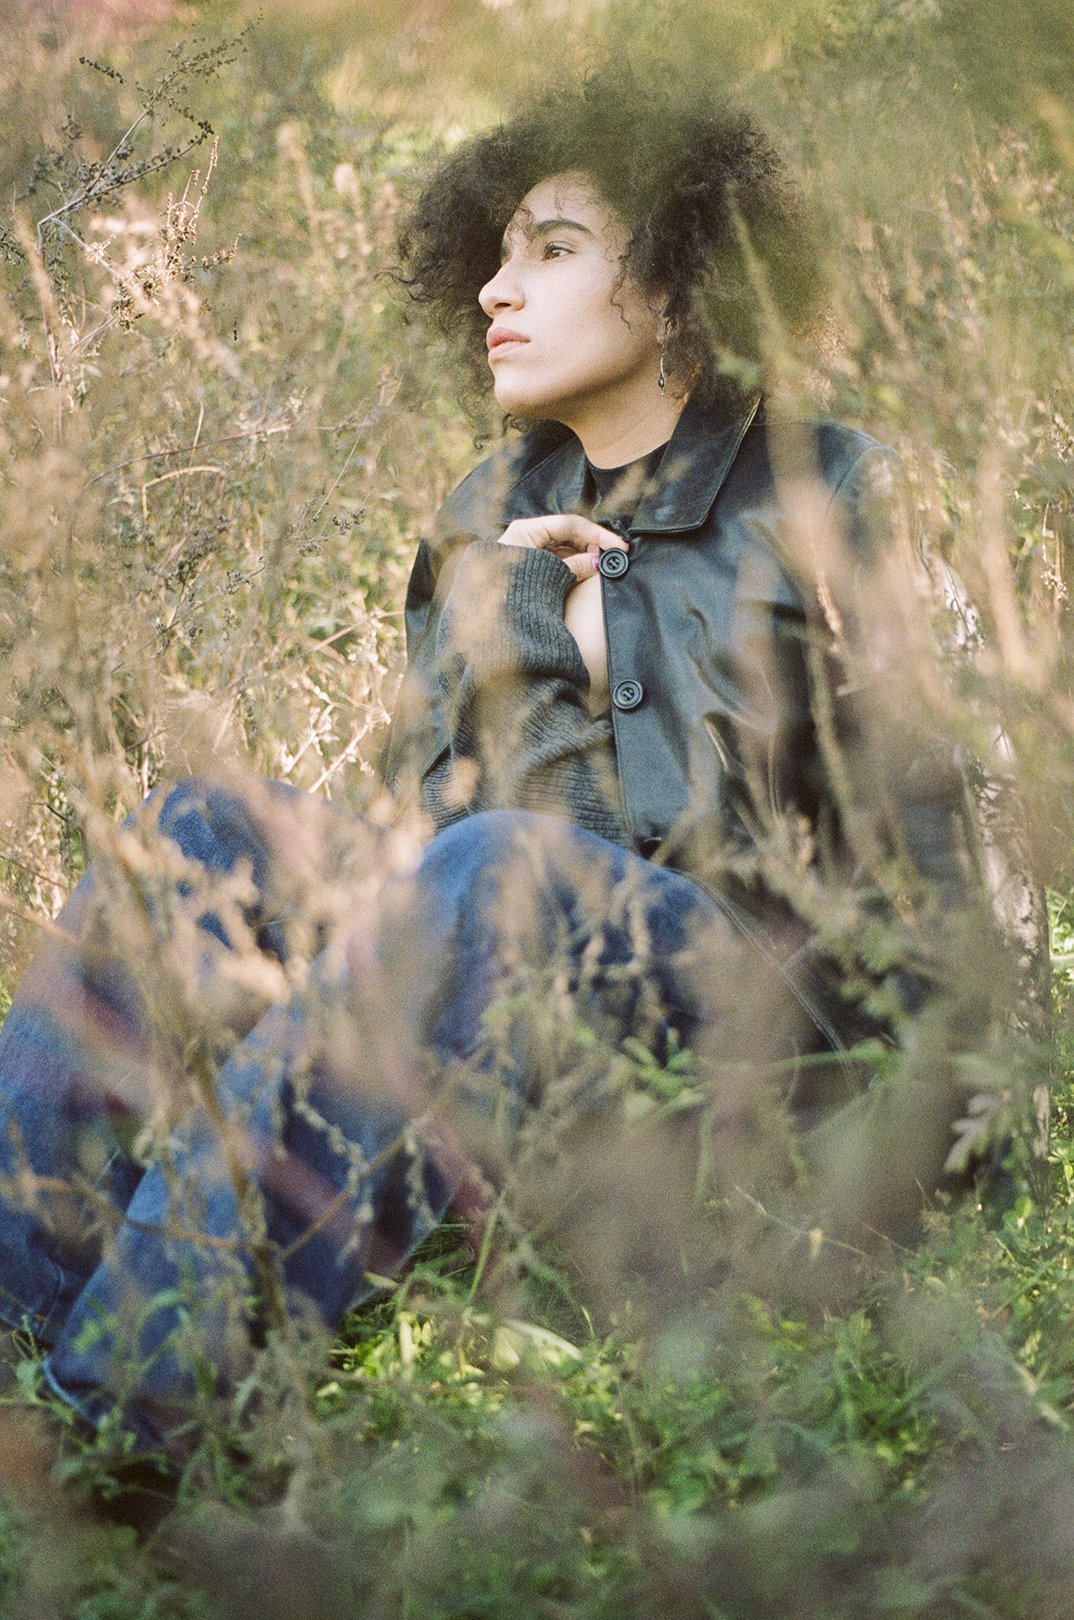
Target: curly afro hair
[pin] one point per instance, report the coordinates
(715, 227)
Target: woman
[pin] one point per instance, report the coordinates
(655, 735)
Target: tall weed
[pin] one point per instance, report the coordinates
(222, 433)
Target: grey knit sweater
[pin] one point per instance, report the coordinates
(513, 689)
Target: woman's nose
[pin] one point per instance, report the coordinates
(502, 292)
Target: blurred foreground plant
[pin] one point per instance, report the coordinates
(220, 438)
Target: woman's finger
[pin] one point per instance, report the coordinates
(582, 564)
(565, 533)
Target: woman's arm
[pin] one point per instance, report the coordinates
(493, 713)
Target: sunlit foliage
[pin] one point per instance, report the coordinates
(223, 430)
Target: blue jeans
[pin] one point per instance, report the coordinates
(310, 1037)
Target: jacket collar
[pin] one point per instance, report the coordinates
(693, 469)
(699, 456)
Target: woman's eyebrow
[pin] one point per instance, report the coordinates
(542, 227)
(534, 228)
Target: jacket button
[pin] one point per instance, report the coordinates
(613, 564)
(628, 694)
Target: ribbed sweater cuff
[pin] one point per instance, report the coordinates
(536, 580)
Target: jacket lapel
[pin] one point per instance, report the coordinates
(693, 470)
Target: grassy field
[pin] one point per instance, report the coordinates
(223, 430)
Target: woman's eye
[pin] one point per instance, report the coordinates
(555, 250)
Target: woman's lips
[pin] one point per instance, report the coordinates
(501, 340)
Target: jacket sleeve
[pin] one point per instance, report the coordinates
(892, 761)
(493, 712)
(928, 907)
(952, 816)
(935, 833)
(872, 847)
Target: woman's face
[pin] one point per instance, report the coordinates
(571, 338)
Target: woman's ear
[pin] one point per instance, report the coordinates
(659, 306)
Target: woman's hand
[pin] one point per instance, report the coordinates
(575, 540)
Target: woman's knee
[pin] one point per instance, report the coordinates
(274, 859)
(508, 902)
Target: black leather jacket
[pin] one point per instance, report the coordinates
(764, 733)
(728, 634)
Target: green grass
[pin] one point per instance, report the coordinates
(476, 1457)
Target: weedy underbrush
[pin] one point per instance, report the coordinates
(222, 432)
(473, 1445)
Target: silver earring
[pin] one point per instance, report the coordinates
(662, 380)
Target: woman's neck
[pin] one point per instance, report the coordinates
(613, 441)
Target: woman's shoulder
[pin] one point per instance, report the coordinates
(485, 501)
(830, 447)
